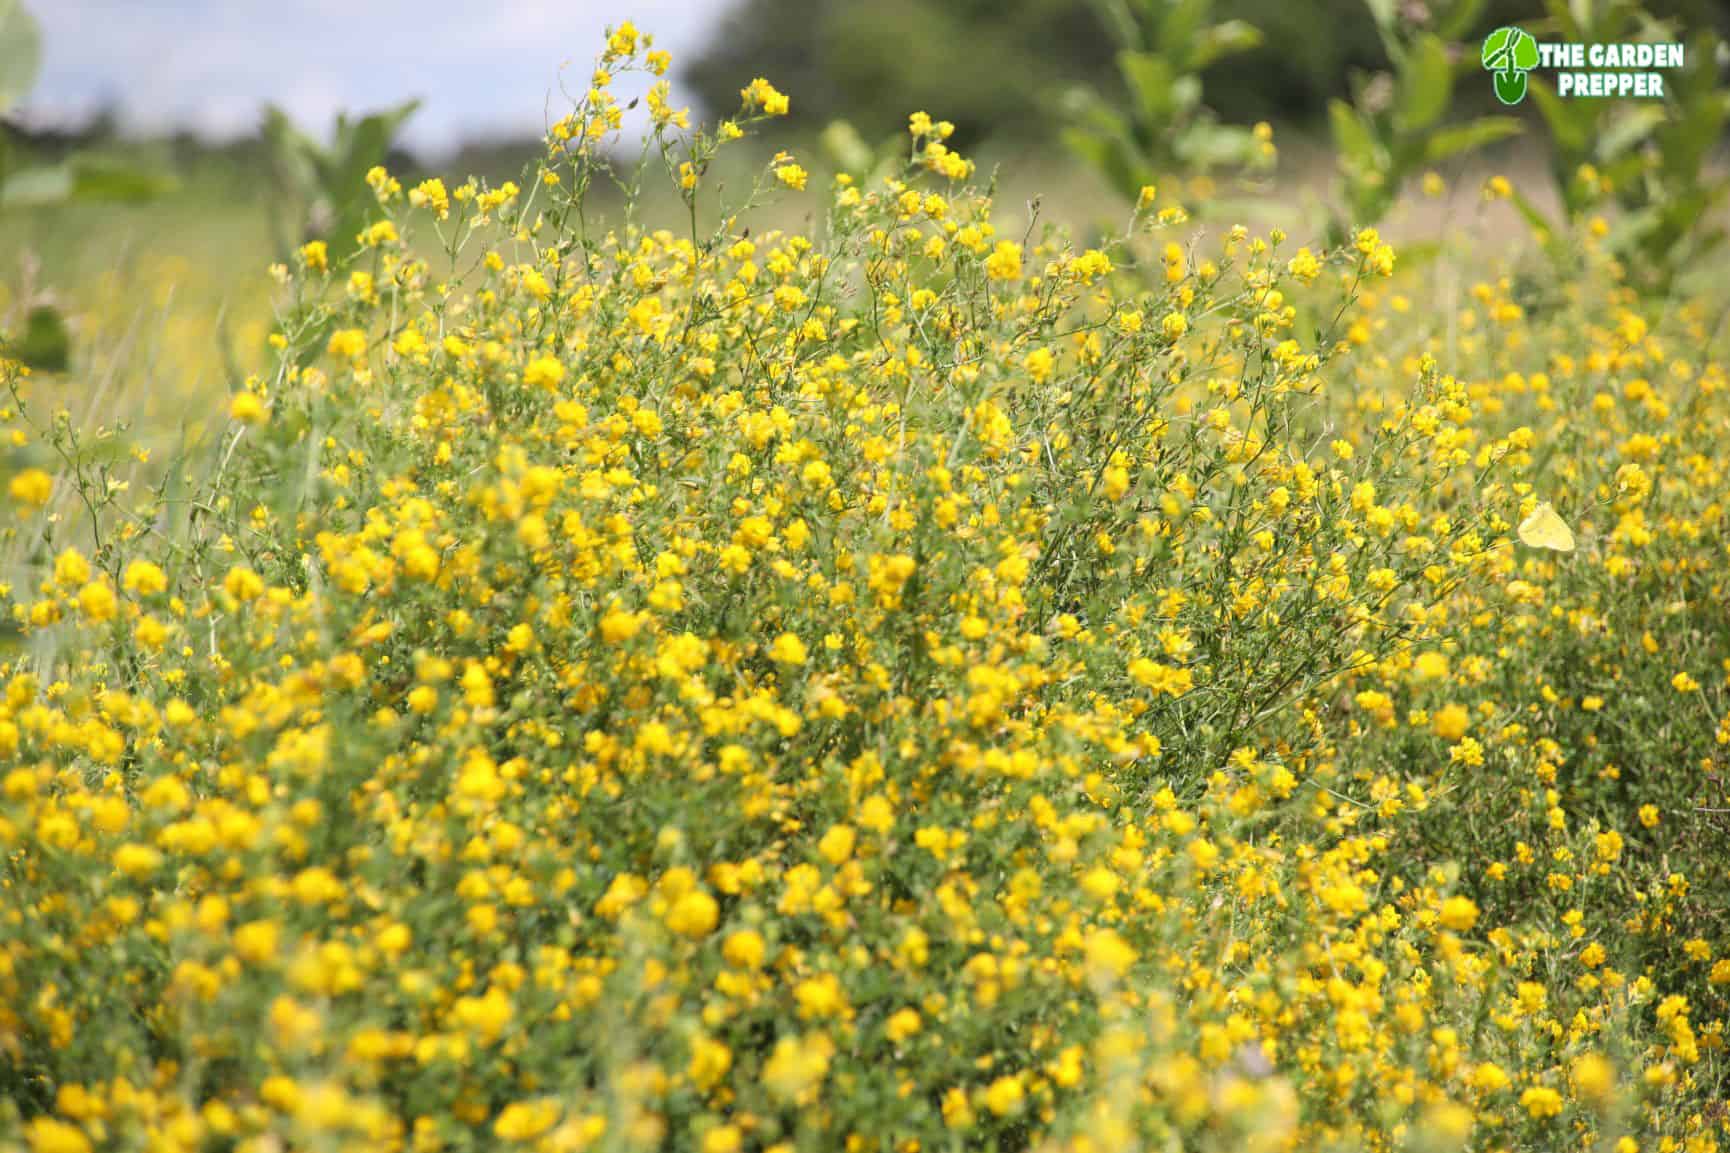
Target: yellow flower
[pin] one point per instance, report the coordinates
(347, 344)
(1488, 1077)
(1039, 364)
(243, 584)
(144, 578)
(1004, 263)
(247, 408)
(723, 1139)
(760, 94)
(1541, 1102)
(788, 649)
(693, 915)
(1004, 1096)
(1594, 1077)
(1459, 914)
(527, 1120)
(902, 1024)
(544, 372)
(256, 942)
(31, 487)
(744, 949)
(97, 602)
(1108, 954)
(49, 1135)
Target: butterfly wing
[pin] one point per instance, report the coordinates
(1545, 529)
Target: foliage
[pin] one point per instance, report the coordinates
(1396, 123)
(319, 191)
(857, 61)
(1162, 126)
(916, 685)
(86, 176)
(1652, 161)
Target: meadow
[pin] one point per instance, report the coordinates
(604, 660)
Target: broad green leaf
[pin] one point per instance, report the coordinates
(1111, 157)
(1383, 12)
(1084, 108)
(1535, 218)
(1226, 39)
(1570, 121)
(1459, 19)
(1150, 81)
(1426, 84)
(1470, 136)
(1628, 130)
(1356, 143)
(1119, 21)
(20, 52)
(1568, 24)
(1180, 26)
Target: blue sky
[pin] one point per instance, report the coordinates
(480, 66)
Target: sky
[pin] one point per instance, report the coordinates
(481, 67)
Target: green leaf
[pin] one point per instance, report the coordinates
(1150, 81)
(1111, 158)
(1459, 19)
(1629, 130)
(1469, 137)
(1568, 23)
(1180, 26)
(1084, 109)
(1383, 12)
(1538, 222)
(1426, 84)
(1225, 39)
(1570, 121)
(46, 344)
(1356, 143)
(20, 52)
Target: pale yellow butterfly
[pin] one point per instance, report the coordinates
(1544, 529)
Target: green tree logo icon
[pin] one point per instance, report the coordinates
(1510, 53)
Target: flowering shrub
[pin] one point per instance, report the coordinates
(914, 686)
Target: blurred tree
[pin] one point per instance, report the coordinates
(985, 65)
(998, 65)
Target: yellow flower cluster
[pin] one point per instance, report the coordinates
(918, 687)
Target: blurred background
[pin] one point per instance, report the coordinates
(157, 155)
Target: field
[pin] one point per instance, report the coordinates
(608, 661)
